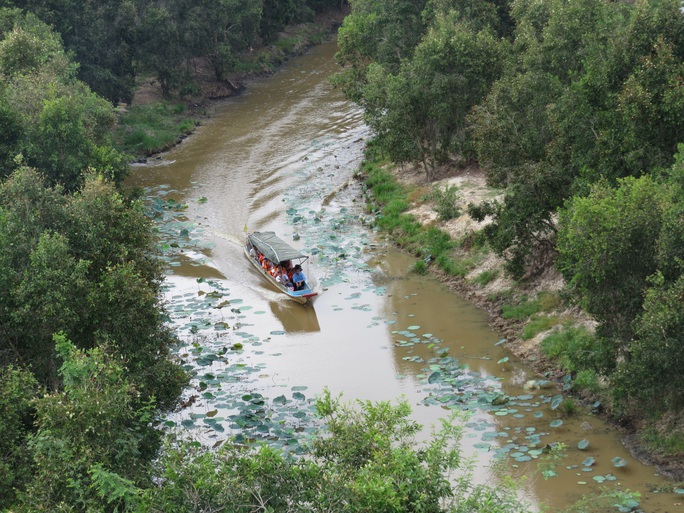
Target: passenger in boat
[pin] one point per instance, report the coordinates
(298, 278)
(284, 279)
(252, 252)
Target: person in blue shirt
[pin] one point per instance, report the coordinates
(298, 278)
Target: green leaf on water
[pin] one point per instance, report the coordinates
(555, 403)
(588, 462)
(503, 360)
(556, 423)
(583, 444)
(434, 377)
(619, 462)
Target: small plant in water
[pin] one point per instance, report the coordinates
(420, 267)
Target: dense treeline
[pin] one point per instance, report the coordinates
(576, 109)
(115, 40)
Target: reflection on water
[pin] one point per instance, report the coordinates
(294, 317)
(280, 158)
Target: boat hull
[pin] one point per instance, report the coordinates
(300, 296)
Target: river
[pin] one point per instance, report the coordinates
(281, 157)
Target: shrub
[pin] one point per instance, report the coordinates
(446, 202)
(420, 267)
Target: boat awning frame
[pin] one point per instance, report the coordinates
(274, 248)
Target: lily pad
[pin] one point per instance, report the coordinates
(583, 444)
(619, 462)
(556, 423)
(434, 377)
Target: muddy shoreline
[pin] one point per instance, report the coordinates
(670, 467)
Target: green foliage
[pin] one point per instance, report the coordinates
(538, 324)
(144, 129)
(419, 111)
(92, 443)
(577, 350)
(18, 388)
(85, 265)
(446, 202)
(522, 230)
(522, 310)
(486, 277)
(54, 121)
(101, 36)
(451, 266)
(367, 459)
(420, 267)
(588, 380)
(607, 249)
(667, 438)
(652, 376)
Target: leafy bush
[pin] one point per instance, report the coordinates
(576, 349)
(92, 444)
(420, 267)
(446, 202)
(366, 460)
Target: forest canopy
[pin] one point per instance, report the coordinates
(574, 108)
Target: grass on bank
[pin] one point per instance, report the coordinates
(389, 202)
(147, 129)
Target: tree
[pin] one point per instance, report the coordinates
(92, 443)
(380, 31)
(511, 127)
(18, 388)
(160, 47)
(651, 378)
(85, 265)
(55, 122)
(420, 113)
(608, 244)
(220, 29)
(101, 36)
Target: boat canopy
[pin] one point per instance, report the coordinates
(273, 248)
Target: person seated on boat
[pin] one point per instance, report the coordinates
(283, 278)
(252, 252)
(298, 278)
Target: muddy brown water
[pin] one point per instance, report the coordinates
(281, 157)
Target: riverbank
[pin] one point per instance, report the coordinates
(529, 313)
(152, 123)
